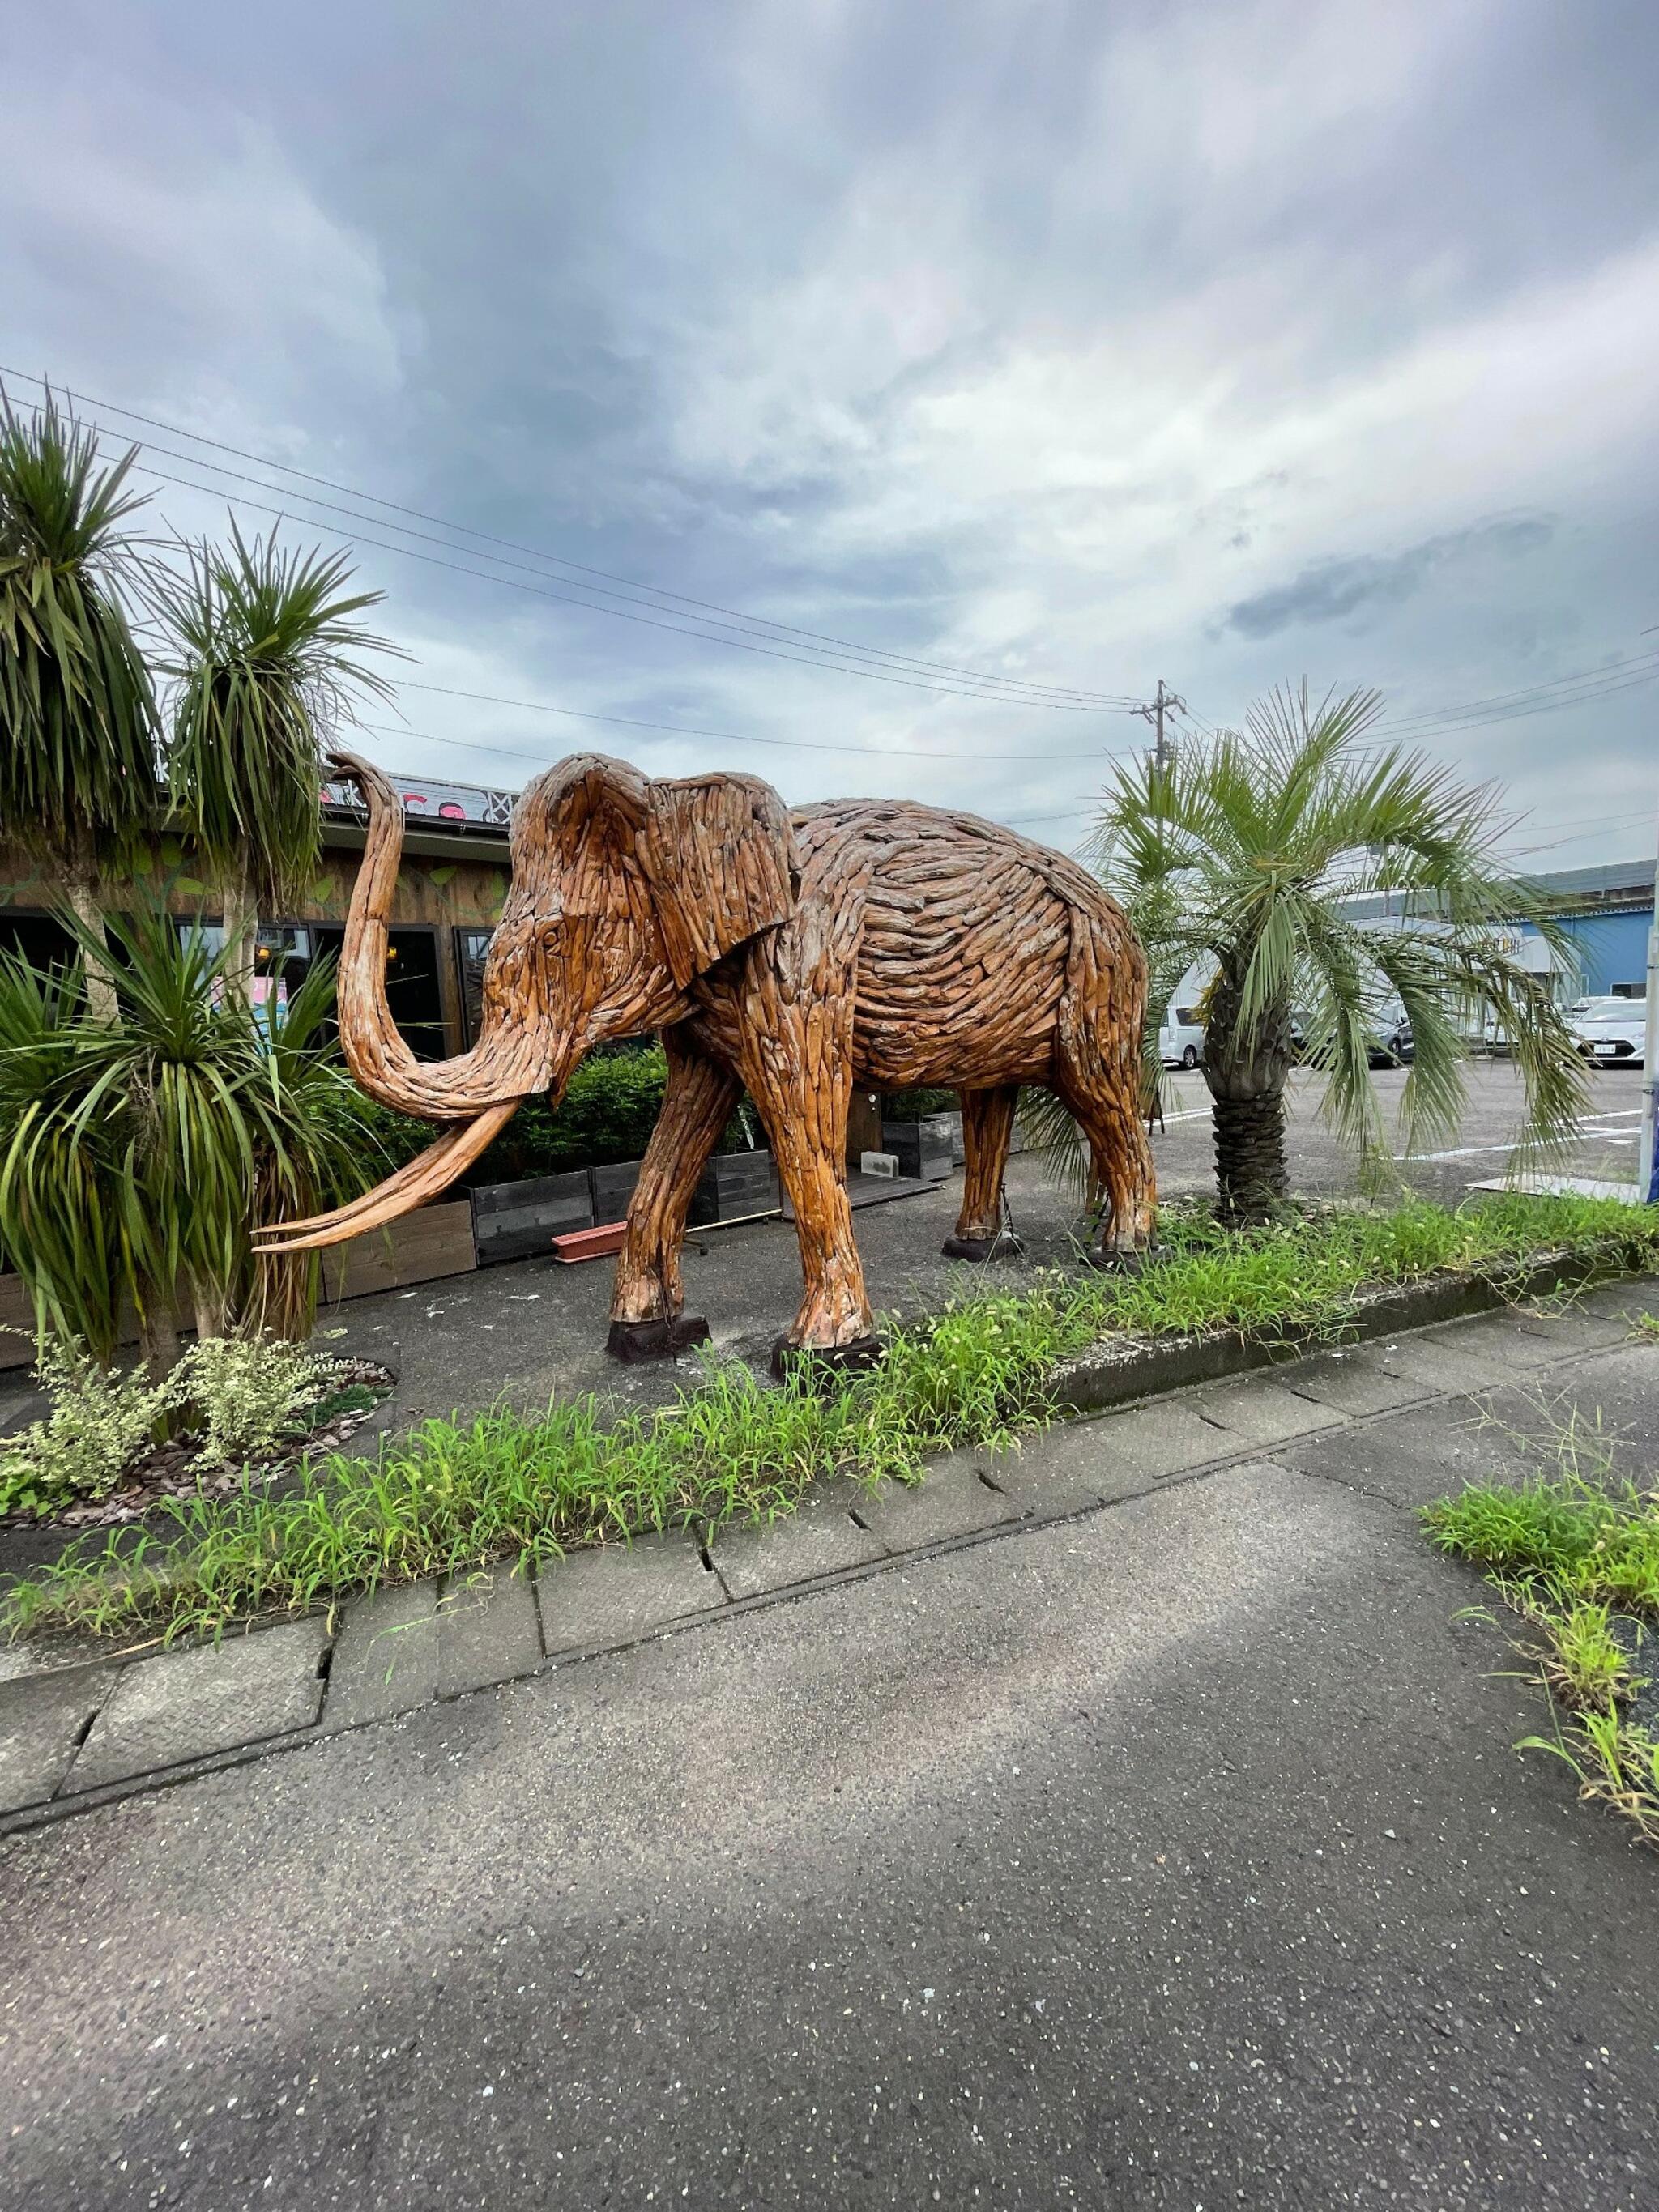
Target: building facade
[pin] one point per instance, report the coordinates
(450, 890)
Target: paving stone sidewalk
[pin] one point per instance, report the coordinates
(76, 1735)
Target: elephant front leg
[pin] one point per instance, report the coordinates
(987, 1130)
(646, 1318)
(803, 1093)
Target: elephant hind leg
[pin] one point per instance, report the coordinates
(988, 1129)
(1097, 1079)
(645, 1308)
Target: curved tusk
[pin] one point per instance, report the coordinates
(420, 1178)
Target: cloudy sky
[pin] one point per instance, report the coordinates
(1007, 346)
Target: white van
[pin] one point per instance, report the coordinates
(1181, 1039)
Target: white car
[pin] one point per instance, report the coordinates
(1612, 1032)
(1181, 1039)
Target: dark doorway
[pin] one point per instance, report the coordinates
(43, 942)
(411, 974)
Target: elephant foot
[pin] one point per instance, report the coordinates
(839, 1358)
(1005, 1245)
(633, 1341)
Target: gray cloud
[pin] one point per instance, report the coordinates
(1028, 348)
(1327, 591)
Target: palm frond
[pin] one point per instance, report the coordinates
(79, 761)
(1248, 847)
(265, 657)
(136, 1158)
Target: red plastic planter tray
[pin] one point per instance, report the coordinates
(590, 1244)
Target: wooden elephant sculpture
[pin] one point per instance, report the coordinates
(790, 953)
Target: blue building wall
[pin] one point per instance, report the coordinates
(1612, 949)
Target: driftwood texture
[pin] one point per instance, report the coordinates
(794, 955)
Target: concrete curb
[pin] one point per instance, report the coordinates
(1106, 1375)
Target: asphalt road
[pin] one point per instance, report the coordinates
(1173, 1858)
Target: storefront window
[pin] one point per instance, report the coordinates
(470, 947)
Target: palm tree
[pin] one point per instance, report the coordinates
(263, 647)
(78, 727)
(1246, 853)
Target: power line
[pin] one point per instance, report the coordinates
(1591, 684)
(1593, 677)
(510, 752)
(684, 730)
(1016, 689)
(537, 590)
(1628, 675)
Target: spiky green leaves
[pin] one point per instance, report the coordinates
(78, 726)
(264, 651)
(138, 1156)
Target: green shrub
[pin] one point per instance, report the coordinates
(138, 1156)
(920, 1098)
(607, 1113)
(247, 1395)
(101, 1420)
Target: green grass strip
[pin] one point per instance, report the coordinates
(453, 1495)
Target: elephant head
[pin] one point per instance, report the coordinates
(624, 890)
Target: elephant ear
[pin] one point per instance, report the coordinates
(720, 857)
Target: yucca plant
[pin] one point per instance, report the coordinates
(136, 1158)
(60, 1223)
(263, 652)
(78, 727)
(1245, 853)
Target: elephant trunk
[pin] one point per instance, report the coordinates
(512, 1058)
(480, 1091)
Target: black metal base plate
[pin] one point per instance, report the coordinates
(1005, 1245)
(634, 1341)
(843, 1358)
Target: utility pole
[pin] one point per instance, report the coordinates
(1153, 712)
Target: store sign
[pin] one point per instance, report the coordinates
(427, 798)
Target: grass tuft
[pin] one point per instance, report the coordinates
(1575, 1552)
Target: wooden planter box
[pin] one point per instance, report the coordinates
(736, 1186)
(519, 1220)
(923, 1149)
(437, 1240)
(613, 1185)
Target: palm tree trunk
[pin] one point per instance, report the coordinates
(1251, 1170)
(241, 938)
(83, 887)
(158, 1337)
(1245, 1070)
